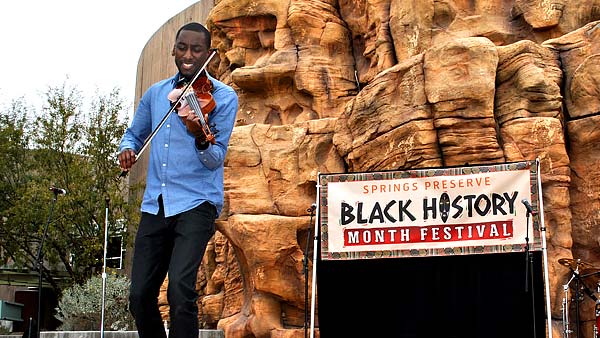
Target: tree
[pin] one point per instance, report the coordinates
(71, 148)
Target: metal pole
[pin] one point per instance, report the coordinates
(40, 262)
(544, 249)
(104, 268)
(305, 268)
(314, 269)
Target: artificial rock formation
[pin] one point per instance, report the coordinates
(332, 86)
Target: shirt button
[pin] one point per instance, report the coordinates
(163, 184)
(166, 145)
(168, 126)
(164, 164)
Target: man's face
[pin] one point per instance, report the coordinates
(190, 52)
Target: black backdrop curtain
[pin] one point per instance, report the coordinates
(470, 296)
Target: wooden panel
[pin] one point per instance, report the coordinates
(156, 63)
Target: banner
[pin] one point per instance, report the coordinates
(429, 212)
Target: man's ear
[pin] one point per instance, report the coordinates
(173, 51)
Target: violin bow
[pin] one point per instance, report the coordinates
(173, 107)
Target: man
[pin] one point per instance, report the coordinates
(184, 190)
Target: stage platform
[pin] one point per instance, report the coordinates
(107, 334)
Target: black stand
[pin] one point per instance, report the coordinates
(529, 273)
(577, 300)
(581, 286)
(305, 266)
(40, 267)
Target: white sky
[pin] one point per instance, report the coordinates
(92, 45)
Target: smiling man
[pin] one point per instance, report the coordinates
(184, 185)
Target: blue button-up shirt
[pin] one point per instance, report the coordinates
(184, 175)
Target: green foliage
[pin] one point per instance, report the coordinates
(16, 171)
(80, 307)
(4, 330)
(71, 147)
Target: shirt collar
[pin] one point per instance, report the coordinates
(179, 80)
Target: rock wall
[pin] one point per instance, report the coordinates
(346, 86)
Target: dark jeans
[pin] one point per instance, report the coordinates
(175, 245)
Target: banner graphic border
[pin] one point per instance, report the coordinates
(535, 241)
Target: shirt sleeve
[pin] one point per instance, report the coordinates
(140, 126)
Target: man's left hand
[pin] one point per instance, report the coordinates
(192, 123)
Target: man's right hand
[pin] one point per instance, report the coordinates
(126, 159)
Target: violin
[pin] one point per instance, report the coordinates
(198, 97)
(203, 90)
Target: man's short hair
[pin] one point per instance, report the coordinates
(196, 27)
